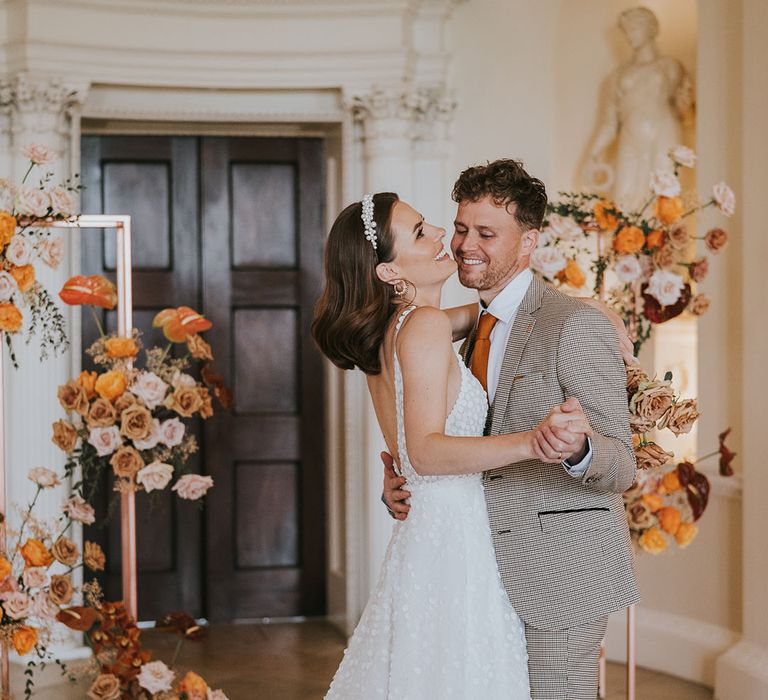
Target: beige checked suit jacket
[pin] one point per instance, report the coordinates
(562, 543)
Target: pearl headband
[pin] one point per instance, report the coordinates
(368, 222)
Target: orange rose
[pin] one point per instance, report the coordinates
(5, 568)
(685, 534)
(24, 276)
(24, 639)
(655, 239)
(653, 541)
(572, 274)
(668, 209)
(671, 482)
(121, 347)
(87, 380)
(606, 220)
(629, 240)
(7, 228)
(653, 501)
(194, 686)
(35, 553)
(669, 519)
(10, 318)
(111, 384)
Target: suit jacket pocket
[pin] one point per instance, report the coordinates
(576, 520)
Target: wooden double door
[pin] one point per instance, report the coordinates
(232, 227)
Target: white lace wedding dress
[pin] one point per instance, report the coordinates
(439, 623)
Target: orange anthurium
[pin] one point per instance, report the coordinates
(179, 324)
(95, 290)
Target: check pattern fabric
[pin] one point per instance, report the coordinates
(562, 543)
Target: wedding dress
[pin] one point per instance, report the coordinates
(439, 623)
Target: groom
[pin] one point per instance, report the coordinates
(559, 530)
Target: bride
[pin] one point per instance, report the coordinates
(439, 623)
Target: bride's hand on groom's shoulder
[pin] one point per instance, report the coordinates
(562, 433)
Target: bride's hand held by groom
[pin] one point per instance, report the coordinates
(563, 434)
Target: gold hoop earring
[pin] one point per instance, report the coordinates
(402, 288)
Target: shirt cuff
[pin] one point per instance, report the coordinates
(578, 470)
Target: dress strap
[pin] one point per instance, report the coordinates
(402, 316)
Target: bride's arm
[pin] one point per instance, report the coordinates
(425, 354)
(462, 319)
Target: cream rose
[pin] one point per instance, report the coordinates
(17, 605)
(724, 198)
(665, 287)
(548, 261)
(39, 154)
(172, 432)
(105, 440)
(8, 286)
(19, 251)
(63, 202)
(79, 511)
(682, 155)
(32, 201)
(699, 305)
(34, 577)
(563, 227)
(182, 379)
(155, 476)
(192, 486)
(43, 477)
(152, 438)
(43, 607)
(217, 694)
(665, 184)
(149, 388)
(627, 268)
(156, 677)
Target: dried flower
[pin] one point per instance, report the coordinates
(650, 456)
(198, 348)
(93, 556)
(726, 456)
(680, 417)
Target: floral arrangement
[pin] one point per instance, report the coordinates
(131, 419)
(22, 242)
(664, 502)
(646, 257)
(36, 583)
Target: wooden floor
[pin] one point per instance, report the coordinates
(297, 661)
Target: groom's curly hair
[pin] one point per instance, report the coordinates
(506, 182)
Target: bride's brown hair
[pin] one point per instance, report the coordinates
(352, 314)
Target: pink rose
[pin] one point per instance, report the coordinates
(699, 305)
(17, 605)
(724, 198)
(665, 184)
(39, 154)
(716, 239)
(156, 677)
(548, 261)
(665, 287)
(32, 201)
(62, 202)
(682, 155)
(155, 476)
(627, 268)
(34, 577)
(105, 440)
(43, 477)
(152, 438)
(8, 286)
(149, 388)
(699, 270)
(18, 251)
(43, 607)
(192, 486)
(51, 251)
(79, 511)
(563, 227)
(172, 432)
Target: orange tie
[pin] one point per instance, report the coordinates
(479, 363)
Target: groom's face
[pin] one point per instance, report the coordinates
(490, 246)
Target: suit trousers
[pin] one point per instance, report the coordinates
(562, 665)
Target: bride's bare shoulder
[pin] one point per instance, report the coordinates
(426, 324)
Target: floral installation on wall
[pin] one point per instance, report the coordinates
(644, 264)
(23, 242)
(131, 419)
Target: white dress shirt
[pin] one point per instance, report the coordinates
(504, 307)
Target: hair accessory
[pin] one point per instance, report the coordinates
(367, 217)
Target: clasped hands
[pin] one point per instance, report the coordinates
(560, 436)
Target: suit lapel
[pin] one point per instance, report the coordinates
(467, 346)
(518, 338)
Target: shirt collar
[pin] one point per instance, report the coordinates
(506, 303)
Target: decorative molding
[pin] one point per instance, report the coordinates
(742, 672)
(674, 644)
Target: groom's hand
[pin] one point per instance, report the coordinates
(393, 495)
(562, 435)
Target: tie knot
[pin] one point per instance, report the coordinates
(485, 326)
